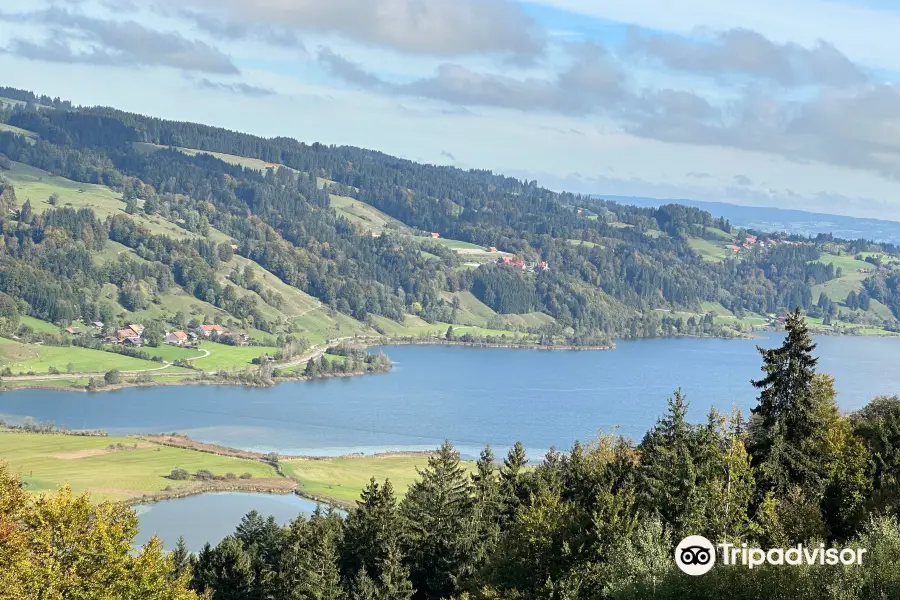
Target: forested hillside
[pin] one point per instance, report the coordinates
(386, 243)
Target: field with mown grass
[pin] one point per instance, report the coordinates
(343, 479)
(48, 461)
(227, 357)
(22, 358)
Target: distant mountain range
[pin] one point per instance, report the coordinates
(778, 219)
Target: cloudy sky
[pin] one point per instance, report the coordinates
(764, 102)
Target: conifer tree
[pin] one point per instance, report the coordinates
(308, 567)
(437, 536)
(181, 559)
(369, 531)
(487, 505)
(510, 483)
(224, 572)
(786, 418)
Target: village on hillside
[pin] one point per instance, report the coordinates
(133, 335)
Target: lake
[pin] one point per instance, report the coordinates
(211, 517)
(471, 396)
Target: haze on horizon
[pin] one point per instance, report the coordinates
(750, 102)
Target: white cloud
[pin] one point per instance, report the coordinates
(866, 35)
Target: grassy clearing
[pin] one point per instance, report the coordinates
(18, 131)
(368, 217)
(535, 319)
(722, 235)
(241, 161)
(708, 250)
(343, 479)
(173, 353)
(48, 461)
(846, 262)
(226, 357)
(37, 325)
(715, 307)
(472, 311)
(413, 326)
(453, 244)
(584, 243)
(36, 186)
(22, 358)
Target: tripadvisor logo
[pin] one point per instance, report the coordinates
(696, 555)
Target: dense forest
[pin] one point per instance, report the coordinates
(615, 271)
(600, 521)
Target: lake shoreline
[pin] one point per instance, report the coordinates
(206, 378)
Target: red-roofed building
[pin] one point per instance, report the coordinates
(733, 248)
(512, 261)
(207, 330)
(543, 266)
(435, 235)
(126, 333)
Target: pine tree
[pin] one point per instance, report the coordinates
(308, 567)
(785, 418)
(224, 571)
(362, 587)
(437, 536)
(370, 530)
(394, 583)
(510, 484)
(487, 505)
(181, 559)
(670, 478)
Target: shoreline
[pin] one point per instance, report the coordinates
(209, 378)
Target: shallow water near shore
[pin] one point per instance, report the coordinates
(212, 517)
(471, 396)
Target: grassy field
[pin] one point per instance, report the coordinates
(22, 358)
(453, 244)
(17, 130)
(344, 478)
(241, 161)
(48, 461)
(413, 326)
(36, 186)
(367, 217)
(850, 280)
(710, 251)
(583, 243)
(172, 353)
(37, 325)
(222, 356)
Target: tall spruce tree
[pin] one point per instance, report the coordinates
(370, 530)
(670, 476)
(786, 417)
(437, 533)
(308, 566)
(224, 572)
(486, 515)
(181, 559)
(511, 492)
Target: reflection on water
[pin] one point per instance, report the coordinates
(471, 396)
(211, 517)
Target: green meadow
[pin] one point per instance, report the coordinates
(48, 461)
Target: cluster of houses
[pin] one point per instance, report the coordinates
(132, 335)
(753, 242)
(519, 263)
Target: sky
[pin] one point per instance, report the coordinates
(756, 102)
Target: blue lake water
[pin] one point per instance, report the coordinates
(471, 396)
(211, 517)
